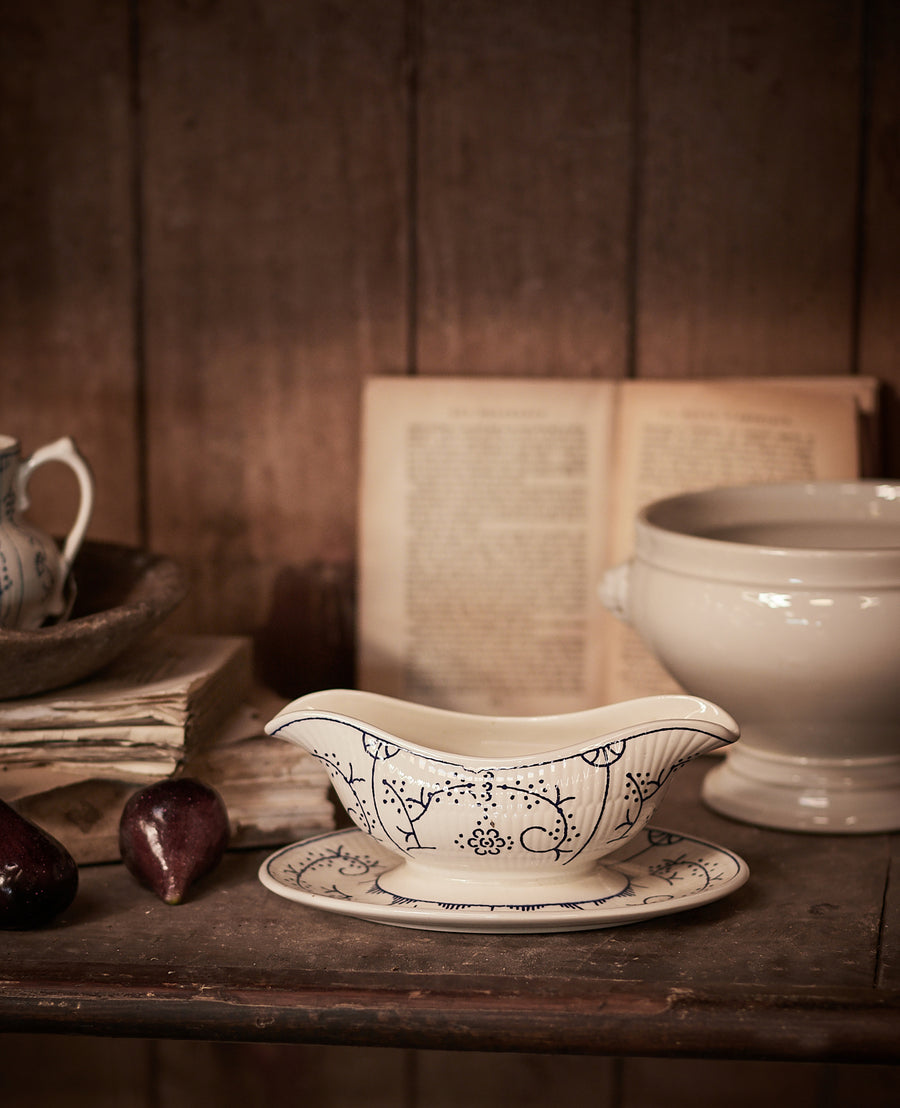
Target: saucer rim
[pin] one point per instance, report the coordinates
(477, 918)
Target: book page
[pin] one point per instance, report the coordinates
(484, 513)
(491, 507)
(682, 436)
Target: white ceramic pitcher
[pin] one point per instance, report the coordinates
(34, 572)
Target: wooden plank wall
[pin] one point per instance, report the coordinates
(219, 216)
(96, 1073)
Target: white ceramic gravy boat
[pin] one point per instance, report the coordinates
(486, 808)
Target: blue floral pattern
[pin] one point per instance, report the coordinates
(421, 805)
(341, 871)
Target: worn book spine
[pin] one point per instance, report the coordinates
(217, 697)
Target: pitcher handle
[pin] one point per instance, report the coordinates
(63, 450)
(614, 591)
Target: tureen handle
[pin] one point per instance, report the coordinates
(614, 591)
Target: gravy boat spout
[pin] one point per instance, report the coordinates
(493, 806)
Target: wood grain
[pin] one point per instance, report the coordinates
(879, 246)
(67, 275)
(77, 1071)
(263, 1075)
(44, 1072)
(748, 187)
(677, 1083)
(275, 280)
(523, 176)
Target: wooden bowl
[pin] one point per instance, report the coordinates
(123, 593)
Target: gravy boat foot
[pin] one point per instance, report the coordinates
(409, 881)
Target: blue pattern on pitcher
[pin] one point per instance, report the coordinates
(35, 576)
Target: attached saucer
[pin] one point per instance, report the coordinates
(339, 872)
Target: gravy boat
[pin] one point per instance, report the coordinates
(485, 809)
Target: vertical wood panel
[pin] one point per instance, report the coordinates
(275, 225)
(262, 1075)
(748, 187)
(47, 1071)
(523, 184)
(683, 1083)
(66, 263)
(880, 290)
(680, 1083)
(482, 1080)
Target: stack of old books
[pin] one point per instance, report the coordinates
(69, 759)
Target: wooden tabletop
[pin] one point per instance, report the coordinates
(800, 963)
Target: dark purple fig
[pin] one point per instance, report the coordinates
(171, 833)
(38, 876)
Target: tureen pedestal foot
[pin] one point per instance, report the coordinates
(790, 793)
(425, 883)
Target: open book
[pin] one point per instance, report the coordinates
(490, 509)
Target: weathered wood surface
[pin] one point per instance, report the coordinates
(799, 964)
